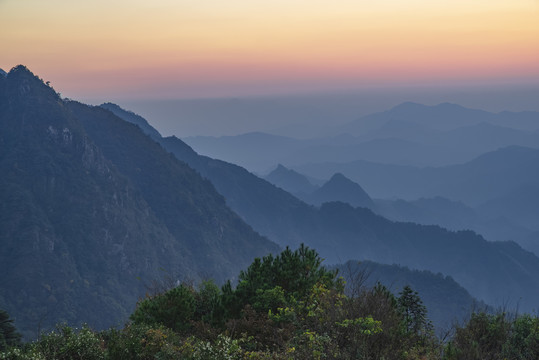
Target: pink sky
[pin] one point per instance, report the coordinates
(206, 48)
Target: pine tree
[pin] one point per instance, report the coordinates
(8, 333)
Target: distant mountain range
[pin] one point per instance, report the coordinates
(510, 217)
(338, 188)
(442, 117)
(489, 175)
(492, 271)
(409, 134)
(500, 186)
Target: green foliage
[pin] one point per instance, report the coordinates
(143, 342)
(496, 336)
(209, 303)
(292, 322)
(223, 348)
(294, 273)
(63, 344)
(413, 311)
(8, 333)
(173, 309)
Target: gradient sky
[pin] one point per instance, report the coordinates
(204, 48)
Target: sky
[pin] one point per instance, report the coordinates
(170, 49)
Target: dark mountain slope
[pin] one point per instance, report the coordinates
(270, 210)
(82, 231)
(189, 205)
(72, 225)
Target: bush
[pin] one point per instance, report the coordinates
(68, 344)
(174, 309)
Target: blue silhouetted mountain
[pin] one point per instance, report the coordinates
(409, 134)
(474, 182)
(340, 188)
(500, 273)
(255, 151)
(484, 137)
(442, 117)
(497, 220)
(290, 180)
(497, 187)
(3, 73)
(93, 210)
(520, 206)
(445, 299)
(449, 214)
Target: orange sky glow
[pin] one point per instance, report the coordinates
(204, 48)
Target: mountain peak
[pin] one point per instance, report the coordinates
(340, 178)
(28, 85)
(3, 73)
(22, 72)
(407, 106)
(290, 180)
(340, 188)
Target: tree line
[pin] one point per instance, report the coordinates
(286, 306)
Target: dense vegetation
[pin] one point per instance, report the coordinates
(447, 301)
(287, 307)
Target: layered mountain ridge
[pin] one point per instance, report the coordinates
(341, 232)
(93, 210)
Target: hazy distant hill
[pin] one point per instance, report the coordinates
(521, 205)
(290, 180)
(452, 215)
(2, 73)
(498, 273)
(255, 151)
(92, 211)
(484, 178)
(442, 117)
(408, 134)
(483, 137)
(340, 188)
